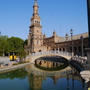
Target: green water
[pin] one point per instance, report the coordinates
(31, 78)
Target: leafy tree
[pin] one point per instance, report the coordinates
(3, 45)
(12, 44)
(15, 44)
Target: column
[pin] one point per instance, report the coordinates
(88, 8)
(88, 50)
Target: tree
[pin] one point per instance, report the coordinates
(3, 45)
(15, 44)
(12, 44)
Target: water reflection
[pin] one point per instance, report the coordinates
(33, 78)
(66, 79)
(20, 73)
(51, 63)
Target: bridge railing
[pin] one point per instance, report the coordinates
(51, 52)
(82, 60)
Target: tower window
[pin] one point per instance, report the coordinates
(37, 31)
(37, 42)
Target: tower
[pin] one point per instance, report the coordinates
(35, 38)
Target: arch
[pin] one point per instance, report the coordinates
(59, 49)
(63, 49)
(34, 56)
(40, 50)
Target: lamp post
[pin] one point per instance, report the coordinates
(88, 10)
(88, 49)
(71, 32)
(66, 36)
(82, 45)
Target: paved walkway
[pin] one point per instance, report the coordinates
(4, 60)
(9, 68)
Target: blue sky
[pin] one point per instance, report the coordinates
(58, 15)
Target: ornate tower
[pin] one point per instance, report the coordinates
(35, 38)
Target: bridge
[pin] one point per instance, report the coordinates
(76, 61)
(32, 57)
(68, 56)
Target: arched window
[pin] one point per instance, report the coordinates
(39, 50)
(59, 49)
(63, 49)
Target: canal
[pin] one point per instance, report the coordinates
(32, 77)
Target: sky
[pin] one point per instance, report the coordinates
(56, 15)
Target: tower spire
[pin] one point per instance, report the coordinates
(35, 2)
(35, 7)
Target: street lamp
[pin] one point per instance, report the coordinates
(88, 49)
(88, 10)
(82, 44)
(71, 32)
(66, 36)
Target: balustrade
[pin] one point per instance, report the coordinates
(82, 60)
(51, 52)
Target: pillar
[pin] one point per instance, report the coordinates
(88, 9)
(88, 50)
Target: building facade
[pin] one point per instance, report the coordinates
(37, 42)
(35, 37)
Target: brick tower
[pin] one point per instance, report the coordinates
(35, 38)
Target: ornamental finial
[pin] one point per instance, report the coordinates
(35, 2)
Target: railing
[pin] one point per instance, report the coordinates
(51, 52)
(82, 60)
(59, 53)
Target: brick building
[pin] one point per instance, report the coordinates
(38, 42)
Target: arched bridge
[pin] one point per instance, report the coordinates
(37, 55)
(75, 60)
